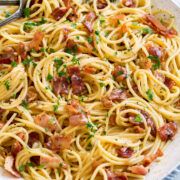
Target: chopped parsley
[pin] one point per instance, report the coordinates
(101, 84)
(13, 63)
(27, 61)
(138, 118)
(73, 25)
(26, 12)
(147, 31)
(7, 14)
(150, 94)
(43, 50)
(21, 168)
(91, 126)
(97, 33)
(61, 73)
(25, 104)
(29, 25)
(90, 40)
(7, 84)
(120, 73)
(157, 61)
(55, 107)
(75, 60)
(49, 77)
(58, 62)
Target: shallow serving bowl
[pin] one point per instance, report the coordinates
(169, 166)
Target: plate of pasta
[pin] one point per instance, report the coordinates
(89, 90)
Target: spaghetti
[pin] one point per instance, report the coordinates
(88, 89)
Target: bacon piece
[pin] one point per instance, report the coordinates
(65, 31)
(8, 166)
(129, 3)
(116, 176)
(125, 152)
(22, 50)
(16, 146)
(159, 76)
(150, 122)
(112, 120)
(138, 129)
(149, 159)
(36, 41)
(73, 16)
(89, 20)
(32, 94)
(59, 12)
(78, 120)
(60, 85)
(168, 131)
(119, 73)
(116, 95)
(58, 142)
(89, 69)
(78, 86)
(8, 56)
(46, 121)
(138, 169)
(33, 137)
(71, 45)
(50, 162)
(1, 125)
(101, 4)
(114, 20)
(158, 27)
(67, 3)
(169, 83)
(74, 108)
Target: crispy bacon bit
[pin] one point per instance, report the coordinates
(67, 3)
(16, 146)
(78, 86)
(114, 20)
(116, 176)
(101, 4)
(50, 162)
(74, 108)
(116, 95)
(168, 131)
(90, 18)
(1, 125)
(150, 122)
(8, 56)
(139, 169)
(32, 94)
(89, 69)
(58, 142)
(125, 152)
(128, 3)
(72, 45)
(59, 12)
(138, 129)
(46, 121)
(60, 85)
(169, 83)
(36, 41)
(78, 120)
(159, 76)
(73, 16)
(155, 24)
(119, 73)
(65, 31)
(112, 120)
(148, 160)
(33, 137)
(157, 51)
(22, 50)
(8, 165)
